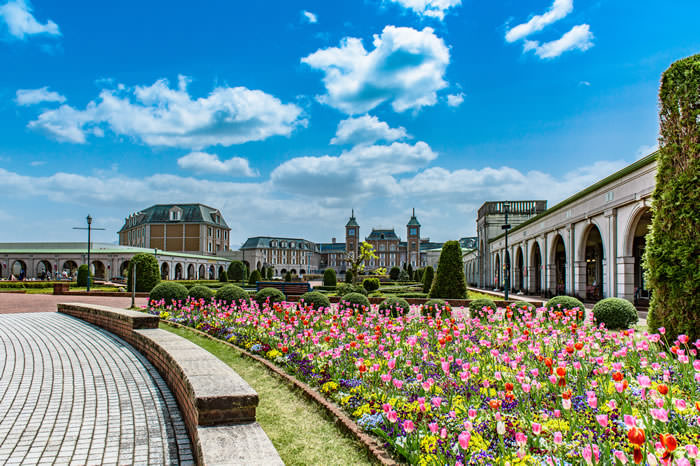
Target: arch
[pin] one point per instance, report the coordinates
(283, 271)
(593, 253)
(202, 272)
(164, 271)
(43, 269)
(212, 273)
(640, 218)
(519, 275)
(123, 268)
(293, 271)
(302, 272)
(178, 272)
(559, 260)
(19, 269)
(638, 242)
(98, 270)
(221, 271)
(69, 269)
(247, 265)
(536, 264)
(190, 272)
(497, 272)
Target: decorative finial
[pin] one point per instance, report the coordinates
(414, 211)
(353, 213)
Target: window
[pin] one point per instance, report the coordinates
(351, 232)
(209, 249)
(225, 234)
(209, 231)
(218, 234)
(382, 247)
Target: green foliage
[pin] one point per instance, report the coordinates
(397, 306)
(348, 276)
(223, 276)
(346, 288)
(428, 277)
(409, 269)
(449, 282)
(476, 307)
(147, 272)
(274, 295)
(615, 313)
(356, 300)
(255, 277)
(270, 273)
(168, 291)
(412, 295)
(564, 302)
(403, 276)
(288, 277)
(436, 308)
(418, 275)
(329, 278)
(356, 262)
(231, 294)
(394, 273)
(237, 271)
(316, 299)
(370, 284)
(200, 292)
(673, 244)
(83, 275)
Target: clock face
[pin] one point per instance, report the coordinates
(351, 232)
(414, 231)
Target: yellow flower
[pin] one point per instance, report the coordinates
(329, 387)
(362, 410)
(428, 443)
(272, 354)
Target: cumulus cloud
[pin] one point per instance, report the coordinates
(35, 96)
(20, 22)
(359, 172)
(366, 129)
(203, 162)
(429, 8)
(406, 68)
(579, 37)
(455, 100)
(559, 9)
(159, 115)
(309, 17)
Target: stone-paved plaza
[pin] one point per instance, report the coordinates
(72, 393)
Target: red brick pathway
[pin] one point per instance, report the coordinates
(17, 302)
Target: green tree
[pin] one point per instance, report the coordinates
(288, 277)
(236, 271)
(348, 276)
(223, 276)
(394, 273)
(147, 272)
(428, 276)
(356, 263)
(409, 269)
(329, 278)
(449, 283)
(83, 275)
(255, 277)
(270, 273)
(672, 255)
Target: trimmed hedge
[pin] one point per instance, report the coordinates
(412, 295)
(200, 292)
(436, 308)
(147, 272)
(255, 277)
(346, 288)
(615, 313)
(523, 305)
(348, 276)
(169, 291)
(370, 284)
(275, 296)
(356, 300)
(232, 294)
(223, 276)
(329, 278)
(565, 302)
(316, 299)
(404, 276)
(237, 271)
(394, 273)
(476, 307)
(428, 277)
(397, 306)
(83, 275)
(449, 283)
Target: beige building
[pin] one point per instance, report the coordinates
(190, 228)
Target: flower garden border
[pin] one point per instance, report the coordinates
(373, 446)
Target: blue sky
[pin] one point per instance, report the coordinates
(285, 115)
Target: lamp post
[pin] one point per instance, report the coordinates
(89, 228)
(506, 227)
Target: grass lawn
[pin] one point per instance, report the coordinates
(301, 431)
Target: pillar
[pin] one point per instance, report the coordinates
(625, 277)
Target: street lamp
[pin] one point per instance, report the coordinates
(89, 228)
(506, 227)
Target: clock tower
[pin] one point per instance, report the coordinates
(352, 235)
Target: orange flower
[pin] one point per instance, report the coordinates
(509, 387)
(636, 436)
(495, 404)
(637, 455)
(566, 395)
(617, 376)
(697, 405)
(561, 371)
(578, 346)
(663, 389)
(669, 442)
(569, 349)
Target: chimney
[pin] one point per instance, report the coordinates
(333, 240)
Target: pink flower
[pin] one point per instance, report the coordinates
(558, 440)
(392, 416)
(659, 414)
(612, 404)
(386, 407)
(602, 419)
(683, 339)
(593, 402)
(408, 426)
(436, 401)
(630, 421)
(468, 426)
(566, 404)
(696, 365)
(680, 404)
(536, 428)
(520, 438)
(443, 433)
(398, 383)
(644, 381)
(620, 455)
(692, 450)
(587, 454)
(464, 439)
(386, 378)
(662, 330)
(433, 427)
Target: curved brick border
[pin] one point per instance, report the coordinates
(342, 420)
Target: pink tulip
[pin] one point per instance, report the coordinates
(536, 428)
(520, 438)
(464, 439)
(408, 426)
(398, 383)
(558, 439)
(392, 416)
(630, 421)
(691, 450)
(471, 413)
(620, 455)
(587, 454)
(386, 378)
(386, 407)
(433, 427)
(680, 404)
(659, 414)
(443, 433)
(602, 420)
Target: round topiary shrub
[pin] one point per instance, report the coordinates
(370, 284)
(236, 271)
(348, 276)
(436, 308)
(147, 272)
(562, 303)
(329, 278)
(476, 307)
(83, 275)
(288, 277)
(169, 292)
(223, 276)
(198, 292)
(356, 300)
(275, 296)
(231, 294)
(394, 273)
(316, 299)
(397, 306)
(255, 277)
(346, 288)
(523, 305)
(615, 313)
(404, 276)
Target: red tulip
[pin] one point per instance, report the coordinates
(636, 436)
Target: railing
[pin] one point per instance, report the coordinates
(515, 207)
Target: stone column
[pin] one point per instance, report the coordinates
(552, 278)
(625, 277)
(580, 271)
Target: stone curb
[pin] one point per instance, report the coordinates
(342, 420)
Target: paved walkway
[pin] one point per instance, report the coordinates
(20, 302)
(72, 393)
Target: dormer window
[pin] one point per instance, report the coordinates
(175, 214)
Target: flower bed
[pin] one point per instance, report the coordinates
(534, 388)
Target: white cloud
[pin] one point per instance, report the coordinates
(405, 68)
(363, 171)
(584, 83)
(158, 115)
(643, 151)
(37, 163)
(558, 10)
(34, 96)
(202, 162)
(429, 8)
(455, 100)
(310, 17)
(20, 22)
(579, 37)
(366, 129)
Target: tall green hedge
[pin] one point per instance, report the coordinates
(428, 277)
(449, 283)
(394, 273)
(237, 271)
(329, 278)
(83, 275)
(672, 256)
(147, 272)
(255, 277)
